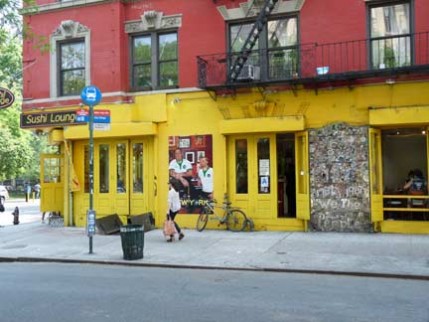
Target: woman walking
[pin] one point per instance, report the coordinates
(174, 206)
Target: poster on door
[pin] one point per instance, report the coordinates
(190, 170)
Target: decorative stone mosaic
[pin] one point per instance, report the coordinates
(339, 178)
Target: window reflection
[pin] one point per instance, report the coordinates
(121, 176)
(264, 185)
(390, 36)
(104, 168)
(137, 167)
(241, 166)
(52, 170)
(72, 67)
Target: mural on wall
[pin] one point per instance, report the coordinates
(339, 178)
(190, 166)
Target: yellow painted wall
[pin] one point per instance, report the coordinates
(192, 113)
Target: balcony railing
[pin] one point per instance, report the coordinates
(309, 63)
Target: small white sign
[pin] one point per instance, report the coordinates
(264, 167)
(102, 126)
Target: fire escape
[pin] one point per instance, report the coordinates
(312, 65)
(251, 40)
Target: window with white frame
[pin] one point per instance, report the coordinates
(154, 61)
(70, 59)
(71, 67)
(390, 34)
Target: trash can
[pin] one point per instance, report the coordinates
(132, 238)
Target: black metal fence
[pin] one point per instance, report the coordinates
(306, 62)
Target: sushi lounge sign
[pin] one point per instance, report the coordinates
(6, 98)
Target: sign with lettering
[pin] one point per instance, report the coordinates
(49, 119)
(100, 116)
(6, 98)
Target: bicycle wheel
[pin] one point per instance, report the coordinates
(202, 220)
(236, 220)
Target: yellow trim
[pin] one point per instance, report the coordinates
(56, 136)
(266, 124)
(302, 173)
(404, 227)
(116, 130)
(375, 175)
(52, 193)
(399, 116)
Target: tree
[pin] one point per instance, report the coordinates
(19, 149)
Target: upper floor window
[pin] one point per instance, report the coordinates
(71, 67)
(70, 61)
(275, 53)
(154, 61)
(390, 33)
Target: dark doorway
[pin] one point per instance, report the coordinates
(286, 189)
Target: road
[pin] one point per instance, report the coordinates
(28, 211)
(71, 292)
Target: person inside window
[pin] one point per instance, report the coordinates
(415, 183)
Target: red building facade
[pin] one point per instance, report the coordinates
(262, 79)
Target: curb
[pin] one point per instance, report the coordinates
(244, 269)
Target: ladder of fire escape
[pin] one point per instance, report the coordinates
(251, 39)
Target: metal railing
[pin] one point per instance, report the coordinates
(392, 55)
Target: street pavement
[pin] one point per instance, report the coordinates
(382, 255)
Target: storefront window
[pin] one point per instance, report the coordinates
(121, 167)
(137, 167)
(241, 166)
(264, 165)
(52, 170)
(404, 157)
(104, 168)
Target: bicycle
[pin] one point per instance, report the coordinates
(234, 218)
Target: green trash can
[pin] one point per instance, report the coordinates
(132, 238)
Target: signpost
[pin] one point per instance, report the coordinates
(91, 96)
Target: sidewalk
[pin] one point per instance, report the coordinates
(348, 253)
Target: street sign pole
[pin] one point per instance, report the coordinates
(91, 169)
(91, 96)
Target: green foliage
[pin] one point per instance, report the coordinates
(10, 62)
(19, 149)
(389, 57)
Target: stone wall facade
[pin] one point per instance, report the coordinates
(339, 178)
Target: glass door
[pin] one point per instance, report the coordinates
(111, 178)
(251, 174)
(51, 182)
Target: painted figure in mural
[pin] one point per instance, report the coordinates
(174, 206)
(181, 169)
(205, 176)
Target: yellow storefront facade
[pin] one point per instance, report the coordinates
(264, 154)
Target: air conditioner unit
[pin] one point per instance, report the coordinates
(249, 72)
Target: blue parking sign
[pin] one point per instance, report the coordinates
(90, 95)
